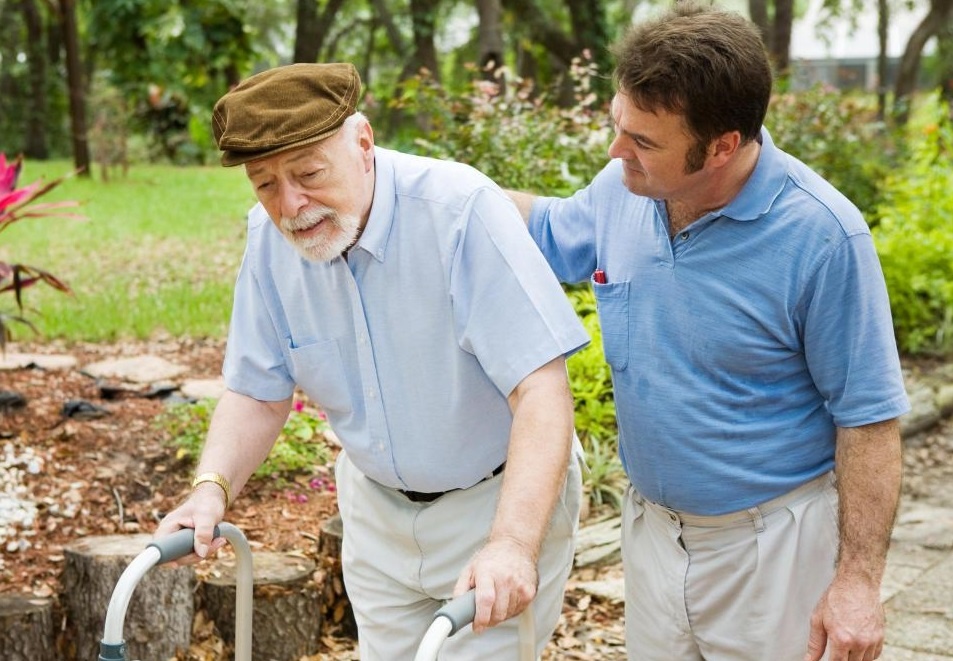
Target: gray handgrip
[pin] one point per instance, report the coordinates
(459, 610)
(177, 545)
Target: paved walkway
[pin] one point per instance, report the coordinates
(918, 585)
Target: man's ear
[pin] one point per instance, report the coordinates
(724, 147)
(365, 140)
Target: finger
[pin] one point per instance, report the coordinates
(464, 581)
(485, 602)
(816, 642)
(501, 606)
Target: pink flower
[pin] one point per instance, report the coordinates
(299, 406)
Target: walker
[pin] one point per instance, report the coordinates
(448, 620)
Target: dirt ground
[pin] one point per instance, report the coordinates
(114, 474)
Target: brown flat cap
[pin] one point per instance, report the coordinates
(284, 108)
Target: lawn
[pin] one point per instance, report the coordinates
(157, 252)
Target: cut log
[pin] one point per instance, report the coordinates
(26, 628)
(336, 608)
(158, 622)
(286, 609)
(599, 543)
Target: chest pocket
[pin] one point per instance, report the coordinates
(319, 370)
(612, 303)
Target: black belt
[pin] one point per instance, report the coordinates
(429, 497)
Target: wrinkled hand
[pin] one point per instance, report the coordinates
(505, 577)
(203, 510)
(849, 621)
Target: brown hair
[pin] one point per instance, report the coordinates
(708, 65)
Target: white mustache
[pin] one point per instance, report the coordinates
(309, 218)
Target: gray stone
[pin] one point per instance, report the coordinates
(931, 593)
(141, 369)
(919, 632)
(923, 410)
(203, 388)
(925, 525)
(16, 361)
(891, 653)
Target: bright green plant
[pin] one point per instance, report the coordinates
(606, 481)
(914, 238)
(590, 380)
(589, 375)
(300, 447)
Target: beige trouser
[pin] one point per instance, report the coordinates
(736, 587)
(401, 560)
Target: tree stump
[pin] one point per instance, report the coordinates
(285, 612)
(159, 619)
(335, 605)
(26, 628)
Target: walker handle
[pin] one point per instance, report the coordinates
(459, 610)
(177, 545)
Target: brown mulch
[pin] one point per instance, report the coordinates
(117, 474)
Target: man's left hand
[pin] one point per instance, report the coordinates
(505, 577)
(848, 621)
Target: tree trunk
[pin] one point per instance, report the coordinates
(758, 10)
(589, 27)
(26, 628)
(490, 38)
(543, 31)
(397, 42)
(910, 62)
(159, 619)
(781, 39)
(77, 94)
(306, 32)
(335, 605)
(286, 609)
(423, 14)
(36, 142)
(312, 29)
(883, 20)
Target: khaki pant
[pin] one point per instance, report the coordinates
(401, 560)
(737, 587)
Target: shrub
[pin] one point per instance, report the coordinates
(519, 141)
(300, 447)
(914, 237)
(839, 136)
(16, 204)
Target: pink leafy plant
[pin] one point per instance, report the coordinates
(17, 204)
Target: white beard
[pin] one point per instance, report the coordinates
(336, 234)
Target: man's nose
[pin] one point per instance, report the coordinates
(291, 199)
(617, 149)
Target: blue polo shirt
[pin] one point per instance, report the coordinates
(413, 343)
(739, 346)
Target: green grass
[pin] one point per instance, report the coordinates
(157, 253)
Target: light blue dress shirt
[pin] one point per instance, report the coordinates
(739, 345)
(413, 343)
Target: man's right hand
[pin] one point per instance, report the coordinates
(203, 510)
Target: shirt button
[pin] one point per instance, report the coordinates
(684, 235)
(370, 393)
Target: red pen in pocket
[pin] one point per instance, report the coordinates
(599, 276)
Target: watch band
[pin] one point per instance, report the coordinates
(218, 479)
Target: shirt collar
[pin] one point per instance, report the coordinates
(763, 186)
(381, 219)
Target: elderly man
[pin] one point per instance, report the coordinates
(403, 296)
